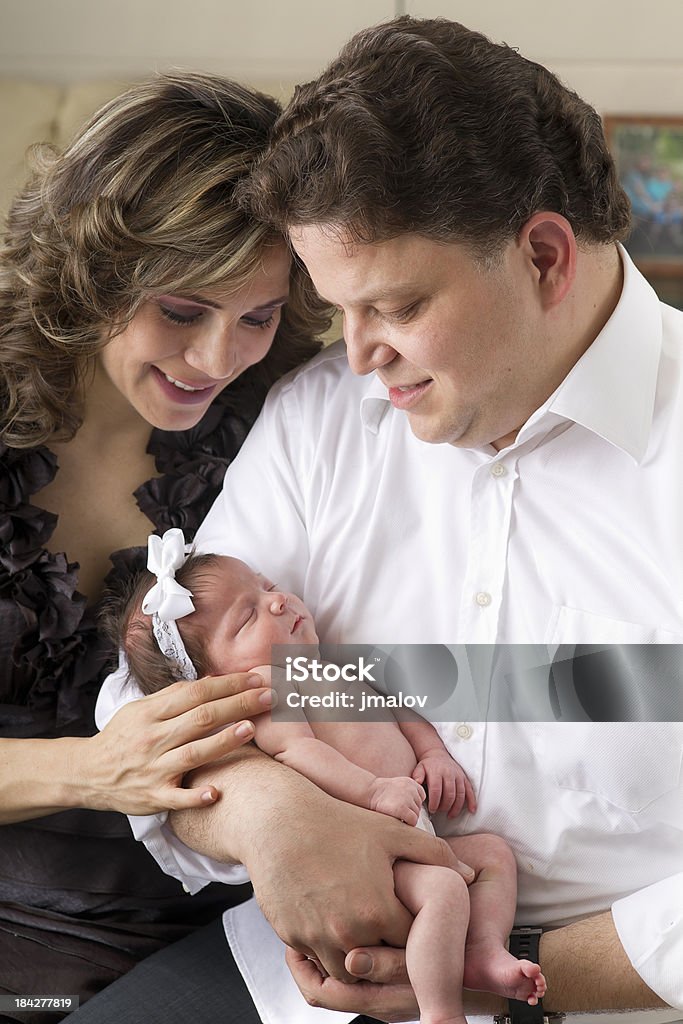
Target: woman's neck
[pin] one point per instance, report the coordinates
(109, 420)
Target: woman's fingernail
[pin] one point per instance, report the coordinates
(255, 681)
(269, 698)
(360, 963)
(244, 729)
(208, 796)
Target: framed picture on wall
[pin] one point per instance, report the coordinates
(649, 157)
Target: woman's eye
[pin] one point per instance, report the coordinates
(254, 321)
(176, 317)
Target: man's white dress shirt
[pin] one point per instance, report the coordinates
(573, 534)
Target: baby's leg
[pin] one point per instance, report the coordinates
(436, 943)
(489, 967)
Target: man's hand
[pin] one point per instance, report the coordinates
(382, 989)
(329, 885)
(390, 1002)
(447, 785)
(322, 869)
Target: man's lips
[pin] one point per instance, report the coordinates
(404, 396)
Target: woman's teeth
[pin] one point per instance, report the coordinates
(179, 384)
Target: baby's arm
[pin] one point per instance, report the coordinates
(448, 788)
(294, 744)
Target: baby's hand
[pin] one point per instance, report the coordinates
(401, 797)
(448, 787)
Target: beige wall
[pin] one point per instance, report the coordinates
(622, 55)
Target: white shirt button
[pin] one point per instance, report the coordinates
(498, 469)
(483, 599)
(464, 731)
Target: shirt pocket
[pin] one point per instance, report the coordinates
(575, 626)
(609, 670)
(626, 765)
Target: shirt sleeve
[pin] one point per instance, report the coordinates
(650, 927)
(193, 869)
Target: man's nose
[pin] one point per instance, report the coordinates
(366, 349)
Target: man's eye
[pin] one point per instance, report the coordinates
(404, 314)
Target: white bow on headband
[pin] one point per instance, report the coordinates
(167, 600)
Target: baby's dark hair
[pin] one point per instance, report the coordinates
(131, 629)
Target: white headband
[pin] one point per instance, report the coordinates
(168, 600)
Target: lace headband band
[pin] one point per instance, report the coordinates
(167, 600)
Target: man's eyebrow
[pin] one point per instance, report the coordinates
(392, 293)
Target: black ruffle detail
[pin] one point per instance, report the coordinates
(59, 659)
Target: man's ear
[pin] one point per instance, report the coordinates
(548, 241)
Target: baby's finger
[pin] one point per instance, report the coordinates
(470, 798)
(459, 801)
(434, 788)
(448, 794)
(419, 772)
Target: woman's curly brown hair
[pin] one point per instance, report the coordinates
(141, 202)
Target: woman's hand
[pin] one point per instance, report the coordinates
(137, 763)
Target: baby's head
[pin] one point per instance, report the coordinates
(239, 615)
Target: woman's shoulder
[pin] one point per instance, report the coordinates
(23, 472)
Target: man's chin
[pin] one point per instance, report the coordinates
(432, 431)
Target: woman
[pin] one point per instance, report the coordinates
(133, 294)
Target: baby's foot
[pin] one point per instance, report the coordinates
(490, 969)
(400, 797)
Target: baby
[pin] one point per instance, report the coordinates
(230, 618)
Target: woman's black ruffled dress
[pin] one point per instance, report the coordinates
(80, 900)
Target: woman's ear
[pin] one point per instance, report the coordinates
(548, 241)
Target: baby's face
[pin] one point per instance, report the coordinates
(244, 614)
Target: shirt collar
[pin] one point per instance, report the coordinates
(374, 404)
(610, 390)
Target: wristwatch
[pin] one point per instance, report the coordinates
(524, 944)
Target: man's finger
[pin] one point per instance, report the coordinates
(377, 1001)
(379, 964)
(418, 846)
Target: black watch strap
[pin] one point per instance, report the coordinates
(524, 944)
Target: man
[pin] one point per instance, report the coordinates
(506, 469)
